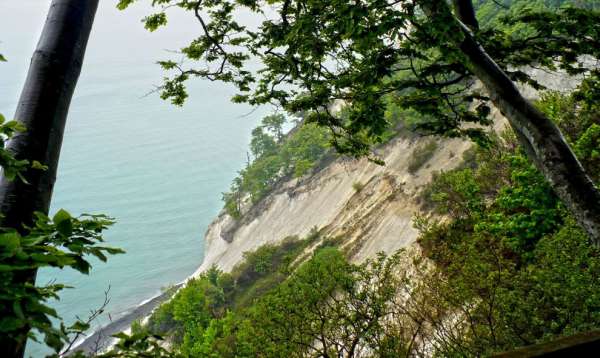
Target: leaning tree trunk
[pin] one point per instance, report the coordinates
(541, 139)
(42, 108)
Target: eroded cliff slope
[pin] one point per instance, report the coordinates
(368, 208)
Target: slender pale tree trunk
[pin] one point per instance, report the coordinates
(42, 108)
(541, 139)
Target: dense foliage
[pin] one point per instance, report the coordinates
(275, 156)
(509, 245)
(490, 11)
(195, 317)
(578, 115)
(63, 241)
(512, 269)
(323, 307)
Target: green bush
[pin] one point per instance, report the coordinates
(511, 258)
(208, 297)
(358, 186)
(421, 155)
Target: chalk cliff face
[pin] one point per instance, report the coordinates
(376, 218)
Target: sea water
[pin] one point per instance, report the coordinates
(158, 169)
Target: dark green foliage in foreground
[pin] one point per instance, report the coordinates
(63, 241)
(12, 167)
(313, 54)
(57, 242)
(510, 251)
(505, 300)
(504, 196)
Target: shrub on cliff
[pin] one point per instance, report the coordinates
(513, 261)
(275, 156)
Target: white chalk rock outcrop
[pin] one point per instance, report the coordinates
(376, 218)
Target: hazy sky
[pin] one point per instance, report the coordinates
(118, 39)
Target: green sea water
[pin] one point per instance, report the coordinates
(158, 169)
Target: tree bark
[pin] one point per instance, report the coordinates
(466, 13)
(42, 108)
(541, 139)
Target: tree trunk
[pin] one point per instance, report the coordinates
(42, 108)
(541, 139)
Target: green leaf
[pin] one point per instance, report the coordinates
(18, 310)
(113, 251)
(64, 222)
(60, 216)
(81, 265)
(123, 4)
(2, 58)
(10, 241)
(37, 165)
(65, 227)
(154, 21)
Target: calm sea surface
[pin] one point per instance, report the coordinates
(158, 169)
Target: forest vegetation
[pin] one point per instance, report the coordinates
(511, 267)
(509, 239)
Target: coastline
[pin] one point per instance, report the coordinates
(102, 339)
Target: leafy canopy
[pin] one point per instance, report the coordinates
(313, 54)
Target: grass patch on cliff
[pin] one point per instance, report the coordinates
(358, 186)
(422, 153)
